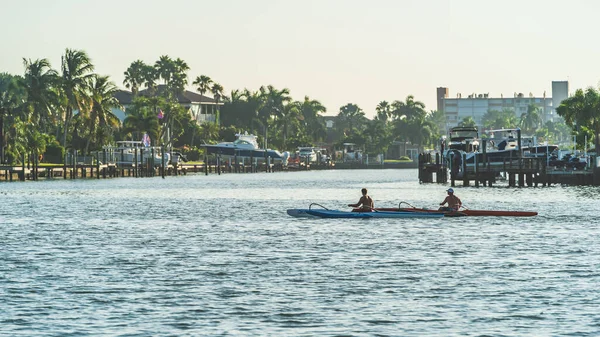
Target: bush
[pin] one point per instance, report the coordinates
(55, 153)
(193, 154)
(405, 158)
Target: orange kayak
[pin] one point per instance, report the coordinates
(464, 212)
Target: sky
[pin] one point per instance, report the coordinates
(335, 51)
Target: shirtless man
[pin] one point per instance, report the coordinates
(365, 202)
(453, 201)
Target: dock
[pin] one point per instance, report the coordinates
(521, 172)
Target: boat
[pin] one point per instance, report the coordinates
(245, 145)
(463, 212)
(328, 213)
(127, 152)
(497, 152)
(463, 138)
(307, 153)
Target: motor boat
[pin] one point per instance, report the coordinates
(128, 152)
(245, 145)
(307, 153)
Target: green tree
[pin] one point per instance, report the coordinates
(408, 109)
(101, 117)
(40, 82)
(76, 75)
(350, 116)
(531, 120)
(313, 125)
(135, 76)
(467, 121)
(202, 84)
(384, 111)
(582, 110)
(141, 118)
(504, 119)
(12, 97)
(217, 91)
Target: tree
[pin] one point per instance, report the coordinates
(422, 131)
(217, 91)
(504, 119)
(288, 118)
(350, 115)
(531, 120)
(438, 118)
(384, 111)
(203, 83)
(582, 110)
(310, 111)
(101, 116)
(76, 75)
(141, 118)
(408, 109)
(12, 97)
(135, 75)
(467, 121)
(39, 82)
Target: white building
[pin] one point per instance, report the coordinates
(477, 105)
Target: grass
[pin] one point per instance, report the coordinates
(393, 161)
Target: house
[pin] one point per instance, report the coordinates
(203, 109)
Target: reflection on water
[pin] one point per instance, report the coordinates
(218, 255)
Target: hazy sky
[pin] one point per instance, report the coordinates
(336, 51)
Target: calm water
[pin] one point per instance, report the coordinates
(219, 256)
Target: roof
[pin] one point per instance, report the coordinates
(187, 97)
(124, 97)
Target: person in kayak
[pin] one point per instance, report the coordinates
(365, 203)
(453, 201)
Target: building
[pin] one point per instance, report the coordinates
(203, 109)
(477, 105)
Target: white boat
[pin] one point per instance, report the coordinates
(128, 152)
(305, 152)
(246, 145)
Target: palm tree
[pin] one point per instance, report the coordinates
(141, 118)
(422, 131)
(209, 132)
(289, 117)
(275, 100)
(350, 115)
(505, 118)
(467, 121)
(179, 77)
(408, 109)
(531, 120)
(203, 83)
(582, 110)
(76, 75)
(217, 91)
(40, 81)
(12, 96)
(101, 115)
(135, 75)
(254, 106)
(383, 110)
(165, 68)
(150, 77)
(314, 126)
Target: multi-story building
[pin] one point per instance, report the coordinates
(477, 105)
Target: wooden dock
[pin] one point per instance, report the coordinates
(521, 172)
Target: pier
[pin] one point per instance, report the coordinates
(521, 172)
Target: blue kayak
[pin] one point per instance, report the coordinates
(327, 213)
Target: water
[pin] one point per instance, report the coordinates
(219, 256)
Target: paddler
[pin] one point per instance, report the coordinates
(453, 201)
(365, 202)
